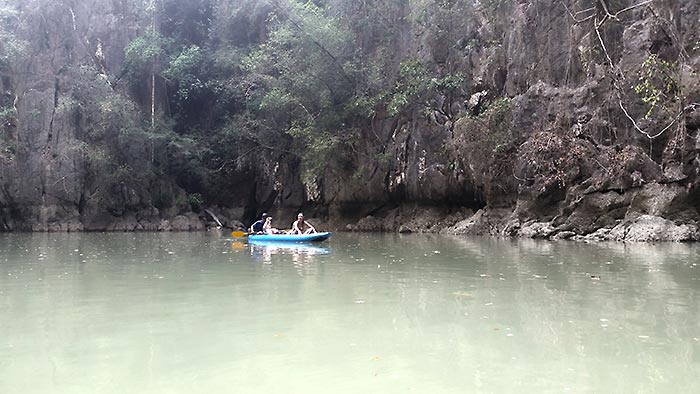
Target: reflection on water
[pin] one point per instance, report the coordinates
(302, 254)
(183, 313)
(293, 248)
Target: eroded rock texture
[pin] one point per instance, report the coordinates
(572, 152)
(578, 119)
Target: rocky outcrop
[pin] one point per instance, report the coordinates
(411, 219)
(72, 114)
(640, 215)
(576, 156)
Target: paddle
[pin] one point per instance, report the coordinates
(238, 234)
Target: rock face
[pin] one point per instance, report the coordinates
(549, 138)
(69, 108)
(574, 156)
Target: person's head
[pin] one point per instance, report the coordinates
(264, 215)
(300, 216)
(268, 219)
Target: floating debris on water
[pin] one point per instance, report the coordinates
(462, 293)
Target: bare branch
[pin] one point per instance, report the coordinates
(606, 9)
(521, 179)
(584, 11)
(632, 7)
(600, 38)
(627, 114)
(675, 119)
(574, 16)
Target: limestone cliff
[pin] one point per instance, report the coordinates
(572, 152)
(575, 119)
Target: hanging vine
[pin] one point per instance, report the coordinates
(649, 90)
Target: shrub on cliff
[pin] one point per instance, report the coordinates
(482, 147)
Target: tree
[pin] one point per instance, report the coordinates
(303, 81)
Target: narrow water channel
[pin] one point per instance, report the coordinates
(202, 313)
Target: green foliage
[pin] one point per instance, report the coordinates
(253, 82)
(415, 83)
(195, 201)
(143, 54)
(657, 83)
(146, 48)
(305, 55)
(498, 116)
(185, 68)
(8, 117)
(11, 47)
(398, 102)
(413, 80)
(448, 83)
(106, 117)
(319, 150)
(303, 86)
(482, 147)
(277, 99)
(185, 64)
(487, 133)
(8, 122)
(187, 22)
(384, 158)
(364, 106)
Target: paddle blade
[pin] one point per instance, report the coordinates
(238, 234)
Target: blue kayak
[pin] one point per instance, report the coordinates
(316, 237)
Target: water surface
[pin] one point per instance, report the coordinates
(200, 313)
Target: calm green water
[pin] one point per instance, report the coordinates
(196, 313)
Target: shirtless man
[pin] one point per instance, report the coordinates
(298, 226)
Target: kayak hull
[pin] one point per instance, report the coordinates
(316, 237)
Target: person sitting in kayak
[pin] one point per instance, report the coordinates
(267, 227)
(257, 227)
(298, 226)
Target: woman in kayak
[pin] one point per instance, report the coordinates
(267, 227)
(298, 226)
